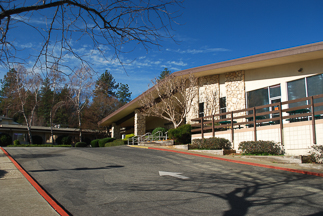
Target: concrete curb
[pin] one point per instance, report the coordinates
(39, 189)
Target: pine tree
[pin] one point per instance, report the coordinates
(123, 94)
(106, 84)
(164, 74)
(45, 106)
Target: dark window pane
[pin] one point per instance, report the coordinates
(315, 87)
(223, 106)
(258, 98)
(274, 91)
(296, 90)
(201, 109)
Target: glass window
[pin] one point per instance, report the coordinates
(201, 109)
(258, 98)
(296, 90)
(275, 91)
(223, 106)
(315, 87)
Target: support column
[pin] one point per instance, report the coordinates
(140, 123)
(115, 131)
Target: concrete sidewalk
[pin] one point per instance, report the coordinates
(17, 195)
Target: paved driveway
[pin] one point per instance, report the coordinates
(127, 181)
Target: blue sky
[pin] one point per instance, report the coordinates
(211, 31)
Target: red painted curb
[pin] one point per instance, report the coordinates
(243, 162)
(41, 191)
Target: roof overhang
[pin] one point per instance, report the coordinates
(285, 56)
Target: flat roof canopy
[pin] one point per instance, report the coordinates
(285, 56)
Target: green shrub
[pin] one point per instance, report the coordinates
(42, 145)
(103, 141)
(317, 153)
(117, 142)
(81, 144)
(128, 136)
(213, 143)
(261, 147)
(5, 139)
(181, 135)
(16, 142)
(159, 129)
(95, 143)
(66, 140)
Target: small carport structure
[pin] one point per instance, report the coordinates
(20, 132)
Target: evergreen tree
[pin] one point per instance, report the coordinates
(6, 101)
(123, 94)
(164, 74)
(106, 84)
(45, 105)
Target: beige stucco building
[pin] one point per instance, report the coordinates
(243, 83)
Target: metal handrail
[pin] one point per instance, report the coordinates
(147, 137)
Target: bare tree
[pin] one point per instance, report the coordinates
(170, 98)
(56, 80)
(25, 89)
(60, 23)
(81, 85)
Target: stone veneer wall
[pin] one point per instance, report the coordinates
(115, 131)
(208, 92)
(235, 90)
(140, 123)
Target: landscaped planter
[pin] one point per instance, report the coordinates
(216, 152)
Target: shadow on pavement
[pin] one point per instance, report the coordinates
(80, 168)
(3, 173)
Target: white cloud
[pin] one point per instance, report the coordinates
(179, 63)
(196, 51)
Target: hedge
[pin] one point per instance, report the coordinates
(95, 143)
(214, 143)
(181, 135)
(81, 144)
(41, 145)
(103, 141)
(63, 139)
(117, 142)
(159, 129)
(261, 147)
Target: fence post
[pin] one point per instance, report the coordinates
(202, 125)
(313, 120)
(232, 133)
(254, 124)
(213, 125)
(281, 123)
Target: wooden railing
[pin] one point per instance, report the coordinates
(239, 118)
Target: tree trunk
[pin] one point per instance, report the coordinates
(51, 127)
(80, 124)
